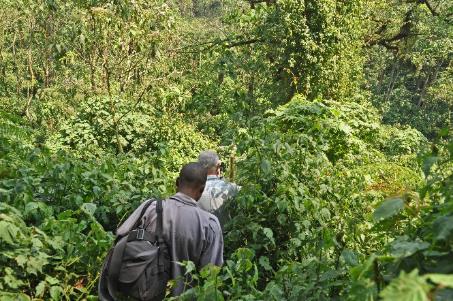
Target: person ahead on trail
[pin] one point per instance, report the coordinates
(190, 232)
(217, 191)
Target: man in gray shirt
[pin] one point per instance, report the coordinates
(190, 232)
(217, 190)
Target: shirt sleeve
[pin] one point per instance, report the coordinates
(235, 188)
(213, 250)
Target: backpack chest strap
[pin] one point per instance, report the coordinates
(140, 234)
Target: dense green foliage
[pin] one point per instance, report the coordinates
(409, 66)
(334, 117)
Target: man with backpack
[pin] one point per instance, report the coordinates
(173, 231)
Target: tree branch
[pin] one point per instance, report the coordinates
(429, 6)
(268, 2)
(228, 43)
(388, 46)
(242, 43)
(404, 32)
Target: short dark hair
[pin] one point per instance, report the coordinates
(193, 174)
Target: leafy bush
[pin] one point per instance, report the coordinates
(320, 173)
(101, 102)
(56, 259)
(422, 246)
(102, 123)
(53, 212)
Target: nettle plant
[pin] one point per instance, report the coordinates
(55, 260)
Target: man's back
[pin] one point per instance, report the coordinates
(216, 193)
(191, 233)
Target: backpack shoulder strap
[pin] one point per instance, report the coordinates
(139, 220)
(159, 227)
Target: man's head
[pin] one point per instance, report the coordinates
(192, 179)
(210, 160)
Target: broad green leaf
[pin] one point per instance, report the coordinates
(40, 289)
(403, 248)
(52, 280)
(428, 163)
(443, 228)
(31, 206)
(89, 208)
(264, 262)
(35, 264)
(407, 287)
(189, 267)
(8, 232)
(388, 209)
(209, 270)
(329, 275)
(56, 242)
(441, 279)
(281, 218)
(335, 112)
(269, 234)
(275, 291)
(6, 296)
(11, 280)
(325, 213)
(36, 243)
(360, 271)
(350, 257)
(56, 292)
(265, 166)
(21, 260)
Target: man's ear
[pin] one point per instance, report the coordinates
(202, 189)
(218, 170)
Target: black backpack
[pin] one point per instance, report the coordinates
(138, 266)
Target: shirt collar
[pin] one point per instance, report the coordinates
(184, 198)
(212, 177)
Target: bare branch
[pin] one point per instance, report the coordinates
(429, 6)
(228, 43)
(242, 43)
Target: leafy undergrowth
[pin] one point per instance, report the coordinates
(339, 209)
(57, 211)
(333, 206)
(101, 102)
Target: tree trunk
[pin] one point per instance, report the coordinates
(30, 93)
(105, 66)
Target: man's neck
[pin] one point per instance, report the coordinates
(189, 193)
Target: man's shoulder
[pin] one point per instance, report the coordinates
(210, 216)
(212, 221)
(224, 184)
(208, 219)
(192, 209)
(180, 199)
(189, 221)
(207, 215)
